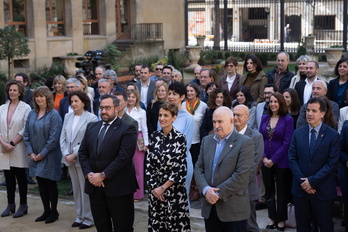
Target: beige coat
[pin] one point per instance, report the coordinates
(17, 157)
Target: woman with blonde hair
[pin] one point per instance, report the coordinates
(135, 111)
(160, 96)
(59, 90)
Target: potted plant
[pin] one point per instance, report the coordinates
(200, 39)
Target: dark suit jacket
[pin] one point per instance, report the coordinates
(321, 167)
(150, 91)
(231, 175)
(96, 104)
(333, 87)
(28, 97)
(63, 107)
(115, 158)
(224, 85)
(343, 171)
(254, 193)
(127, 118)
(277, 148)
(299, 87)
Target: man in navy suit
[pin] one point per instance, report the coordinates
(314, 158)
(106, 158)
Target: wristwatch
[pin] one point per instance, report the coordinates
(102, 175)
(12, 143)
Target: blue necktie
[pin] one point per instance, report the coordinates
(312, 142)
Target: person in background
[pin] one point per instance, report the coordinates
(255, 79)
(184, 124)
(243, 97)
(132, 87)
(301, 63)
(338, 87)
(133, 109)
(241, 115)
(343, 172)
(177, 75)
(262, 107)
(167, 74)
(207, 76)
(196, 108)
(159, 69)
(13, 159)
(166, 170)
(98, 72)
(277, 128)
(73, 130)
(197, 73)
(293, 103)
(280, 76)
(41, 138)
(209, 89)
(111, 76)
(230, 81)
(160, 96)
(219, 97)
(28, 96)
(146, 86)
(59, 90)
(72, 84)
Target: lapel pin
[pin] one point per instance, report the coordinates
(322, 135)
(231, 145)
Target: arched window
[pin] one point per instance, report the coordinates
(90, 15)
(55, 18)
(15, 14)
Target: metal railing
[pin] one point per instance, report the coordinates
(142, 32)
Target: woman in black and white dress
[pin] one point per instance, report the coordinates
(166, 170)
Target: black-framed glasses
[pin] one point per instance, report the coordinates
(107, 108)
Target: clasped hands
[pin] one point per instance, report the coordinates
(211, 195)
(71, 158)
(159, 193)
(95, 179)
(35, 157)
(6, 147)
(306, 186)
(267, 162)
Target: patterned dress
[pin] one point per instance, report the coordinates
(166, 160)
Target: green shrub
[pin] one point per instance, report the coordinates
(148, 61)
(41, 74)
(2, 88)
(112, 56)
(172, 59)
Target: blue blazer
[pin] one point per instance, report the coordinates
(343, 171)
(320, 168)
(333, 87)
(63, 107)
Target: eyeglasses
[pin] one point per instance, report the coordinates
(230, 66)
(71, 87)
(107, 108)
(159, 69)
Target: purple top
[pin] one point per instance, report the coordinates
(277, 146)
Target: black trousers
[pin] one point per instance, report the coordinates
(194, 150)
(116, 211)
(10, 177)
(49, 194)
(311, 207)
(214, 224)
(277, 181)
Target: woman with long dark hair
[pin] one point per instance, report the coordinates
(243, 96)
(277, 128)
(293, 103)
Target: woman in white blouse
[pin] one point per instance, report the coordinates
(135, 111)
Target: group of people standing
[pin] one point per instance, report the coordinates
(180, 142)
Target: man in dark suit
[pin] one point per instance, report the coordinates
(72, 84)
(343, 171)
(146, 86)
(304, 87)
(122, 99)
(28, 96)
(241, 116)
(314, 158)
(222, 175)
(106, 154)
(98, 72)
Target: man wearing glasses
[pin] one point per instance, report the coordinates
(105, 155)
(159, 70)
(72, 84)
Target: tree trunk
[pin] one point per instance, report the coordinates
(9, 68)
(217, 25)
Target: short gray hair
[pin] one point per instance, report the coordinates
(321, 81)
(104, 80)
(111, 74)
(305, 58)
(73, 80)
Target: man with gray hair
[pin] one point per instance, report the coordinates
(319, 89)
(111, 76)
(104, 87)
(72, 84)
(280, 76)
(98, 72)
(176, 75)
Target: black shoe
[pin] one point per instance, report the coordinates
(84, 226)
(43, 217)
(271, 227)
(23, 209)
(52, 218)
(30, 180)
(259, 205)
(280, 228)
(3, 184)
(11, 208)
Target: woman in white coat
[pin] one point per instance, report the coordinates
(13, 155)
(73, 130)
